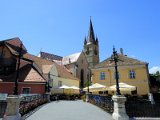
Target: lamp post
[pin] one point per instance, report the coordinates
(13, 101)
(115, 59)
(119, 112)
(17, 73)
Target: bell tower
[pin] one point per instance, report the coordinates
(91, 47)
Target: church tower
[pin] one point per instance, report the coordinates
(91, 47)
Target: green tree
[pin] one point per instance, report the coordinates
(87, 83)
(157, 73)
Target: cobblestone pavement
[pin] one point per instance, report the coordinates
(70, 110)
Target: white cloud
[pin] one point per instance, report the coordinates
(154, 69)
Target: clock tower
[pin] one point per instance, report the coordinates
(91, 47)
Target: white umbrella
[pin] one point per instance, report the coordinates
(64, 87)
(97, 85)
(122, 87)
(90, 87)
(74, 87)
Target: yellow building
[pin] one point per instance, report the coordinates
(131, 71)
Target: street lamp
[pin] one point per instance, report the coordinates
(114, 57)
(17, 73)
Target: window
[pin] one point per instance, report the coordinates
(117, 76)
(132, 74)
(59, 83)
(50, 83)
(102, 76)
(25, 90)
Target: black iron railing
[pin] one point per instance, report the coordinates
(29, 103)
(104, 102)
(142, 108)
(3, 105)
(135, 107)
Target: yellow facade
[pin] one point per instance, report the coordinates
(64, 81)
(140, 80)
(59, 80)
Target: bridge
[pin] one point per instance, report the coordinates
(37, 107)
(68, 110)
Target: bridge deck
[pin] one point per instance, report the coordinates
(70, 110)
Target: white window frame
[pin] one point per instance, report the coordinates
(28, 88)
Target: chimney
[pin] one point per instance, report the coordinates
(121, 51)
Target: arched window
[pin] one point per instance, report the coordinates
(132, 74)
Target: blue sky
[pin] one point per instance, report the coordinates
(59, 26)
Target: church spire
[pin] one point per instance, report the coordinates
(96, 42)
(91, 38)
(85, 41)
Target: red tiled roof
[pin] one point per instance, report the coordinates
(31, 66)
(122, 61)
(39, 61)
(26, 74)
(14, 46)
(28, 71)
(15, 42)
(62, 72)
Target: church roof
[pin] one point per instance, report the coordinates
(123, 60)
(71, 58)
(50, 56)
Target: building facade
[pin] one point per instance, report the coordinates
(130, 71)
(30, 79)
(77, 64)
